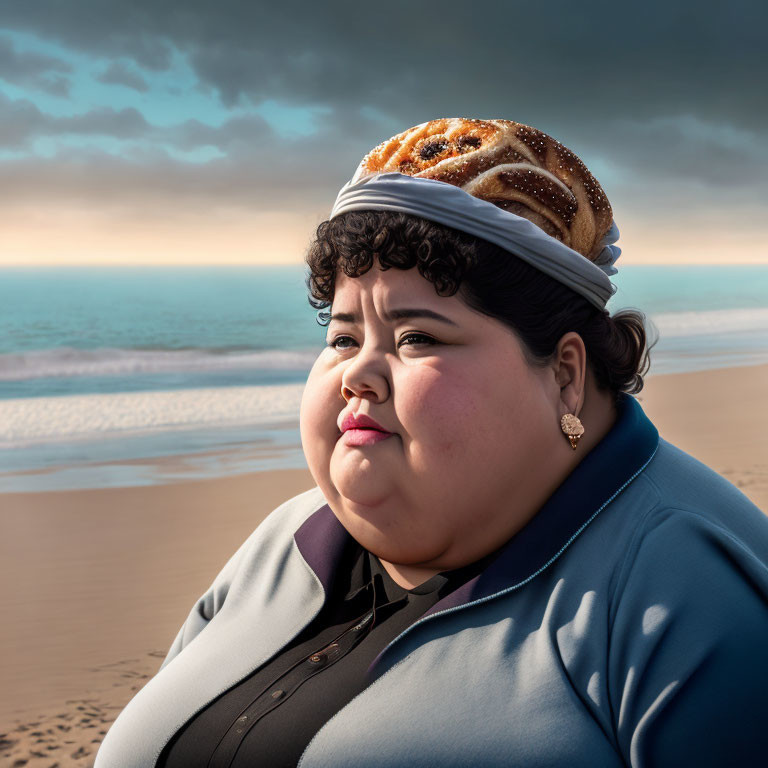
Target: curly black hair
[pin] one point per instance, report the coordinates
(489, 279)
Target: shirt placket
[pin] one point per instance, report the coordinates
(284, 686)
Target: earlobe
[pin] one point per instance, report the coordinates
(570, 400)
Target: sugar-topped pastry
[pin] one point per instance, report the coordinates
(518, 168)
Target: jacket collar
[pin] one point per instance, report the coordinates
(603, 473)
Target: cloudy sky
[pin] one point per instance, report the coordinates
(183, 131)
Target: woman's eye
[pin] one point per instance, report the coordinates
(334, 342)
(420, 338)
(427, 339)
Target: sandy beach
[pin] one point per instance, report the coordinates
(97, 582)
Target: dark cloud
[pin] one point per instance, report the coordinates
(240, 133)
(117, 73)
(33, 70)
(21, 122)
(685, 148)
(147, 180)
(554, 63)
(126, 123)
(90, 26)
(260, 169)
(56, 85)
(244, 135)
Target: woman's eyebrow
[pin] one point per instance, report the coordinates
(395, 314)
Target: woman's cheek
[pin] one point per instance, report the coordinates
(440, 412)
(475, 417)
(440, 402)
(318, 414)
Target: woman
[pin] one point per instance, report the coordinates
(502, 563)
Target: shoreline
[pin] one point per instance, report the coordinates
(101, 579)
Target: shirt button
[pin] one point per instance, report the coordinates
(278, 694)
(316, 658)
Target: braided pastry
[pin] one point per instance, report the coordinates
(514, 166)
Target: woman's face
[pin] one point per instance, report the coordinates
(471, 422)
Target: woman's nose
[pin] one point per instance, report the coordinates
(365, 377)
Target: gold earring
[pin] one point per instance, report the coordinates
(572, 428)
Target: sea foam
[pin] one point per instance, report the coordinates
(717, 321)
(27, 421)
(67, 362)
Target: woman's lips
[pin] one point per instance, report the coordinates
(364, 436)
(361, 429)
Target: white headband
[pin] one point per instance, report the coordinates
(447, 204)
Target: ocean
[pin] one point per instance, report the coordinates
(135, 375)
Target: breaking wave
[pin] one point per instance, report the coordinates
(68, 362)
(27, 421)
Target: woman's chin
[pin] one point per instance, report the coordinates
(361, 495)
(364, 508)
(359, 478)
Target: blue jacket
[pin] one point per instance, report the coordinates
(625, 625)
